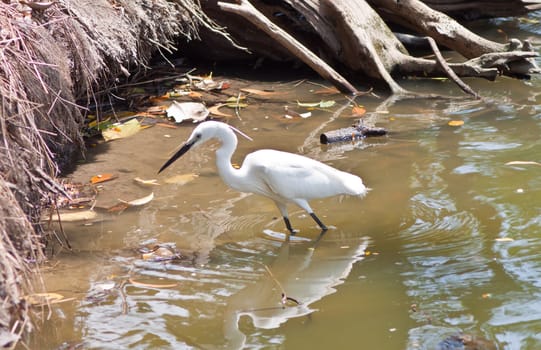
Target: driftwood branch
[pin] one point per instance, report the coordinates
(245, 9)
(450, 73)
(351, 133)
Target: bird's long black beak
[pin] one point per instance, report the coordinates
(185, 148)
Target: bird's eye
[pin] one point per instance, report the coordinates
(198, 136)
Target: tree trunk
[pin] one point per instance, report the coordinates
(353, 36)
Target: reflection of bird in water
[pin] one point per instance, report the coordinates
(281, 176)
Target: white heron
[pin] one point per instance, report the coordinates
(281, 176)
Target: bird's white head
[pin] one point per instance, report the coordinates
(201, 134)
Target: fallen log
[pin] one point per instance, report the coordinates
(352, 133)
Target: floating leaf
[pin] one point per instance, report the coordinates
(234, 102)
(504, 239)
(139, 201)
(142, 182)
(214, 110)
(181, 179)
(40, 299)
(119, 131)
(308, 104)
(102, 178)
(293, 114)
(71, 216)
(118, 208)
(152, 285)
(327, 91)
(320, 104)
(455, 123)
(327, 104)
(358, 111)
(181, 111)
(522, 162)
(262, 92)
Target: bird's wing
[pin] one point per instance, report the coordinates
(288, 175)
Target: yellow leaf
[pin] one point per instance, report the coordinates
(120, 131)
(455, 123)
(151, 285)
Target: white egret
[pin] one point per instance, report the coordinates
(281, 176)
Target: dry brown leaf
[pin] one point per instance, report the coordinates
(358, 111)
(118, 208)
(156, 110)
(194, 95)
(102, 178)
(165, 125)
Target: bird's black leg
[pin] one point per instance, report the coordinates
(288, 225)
(316, 219)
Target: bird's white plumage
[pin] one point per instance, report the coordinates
(283, 177)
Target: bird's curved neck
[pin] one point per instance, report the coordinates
(223, 159)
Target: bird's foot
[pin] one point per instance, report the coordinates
(293, 232)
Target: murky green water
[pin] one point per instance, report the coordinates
(419, 259)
